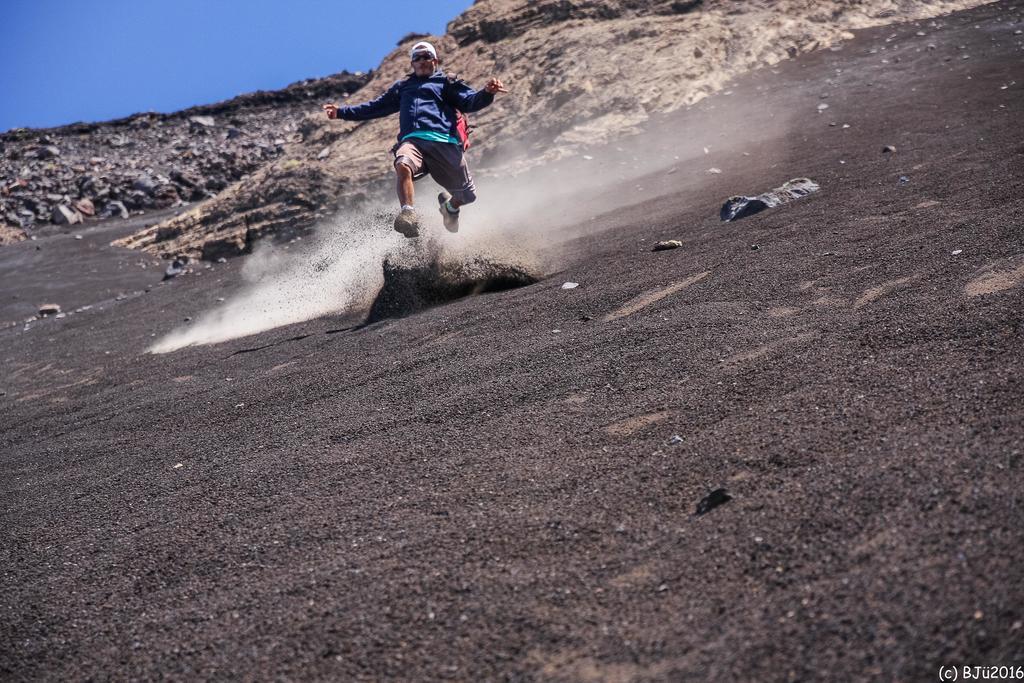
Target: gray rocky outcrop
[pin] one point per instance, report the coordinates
(151, 160)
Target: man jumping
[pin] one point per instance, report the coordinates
(426, 101)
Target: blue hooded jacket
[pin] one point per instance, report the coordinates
(423, 104)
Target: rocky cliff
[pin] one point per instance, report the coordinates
(580, 72)
(148, 161)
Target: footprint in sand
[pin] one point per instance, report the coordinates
(444, 337)
(782, 311)
(765, 349)
(50, 380)
(881, 290)
(825, 296)
(280, 366)
(645, 300)
(633, 425)
(640, 575)
(990, 280)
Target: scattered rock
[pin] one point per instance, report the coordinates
(570, 285)
(114, 209)
(888, 149)
(85, 207)
(904, 179)
(65, 215)
(324, 153)
(667, 244)
(714, 171)
(675, 440)
(755, 247)
(740, 206)
(144, 184)
(49, 309)
(712, 500)
(176, 268)
(165, 195)
(186, 180)
(47, 152)
(204, 121)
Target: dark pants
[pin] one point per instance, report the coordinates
(444, 161)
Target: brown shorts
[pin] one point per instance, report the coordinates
(445, 162)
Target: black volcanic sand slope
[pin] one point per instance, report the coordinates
(505, 487)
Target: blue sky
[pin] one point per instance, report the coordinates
(63, 61)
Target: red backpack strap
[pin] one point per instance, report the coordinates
(461, 127)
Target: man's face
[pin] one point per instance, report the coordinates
(423, 64)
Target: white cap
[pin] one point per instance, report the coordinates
(423, 46)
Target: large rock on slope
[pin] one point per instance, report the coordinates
(580, 72)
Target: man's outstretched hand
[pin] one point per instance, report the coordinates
(331, 110)
(495, 86)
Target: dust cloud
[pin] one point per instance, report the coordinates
(544, 206)
(336, 269)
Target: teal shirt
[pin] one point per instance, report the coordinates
(431, 135)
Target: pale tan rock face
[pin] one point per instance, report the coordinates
(10, 234)
(580, 72)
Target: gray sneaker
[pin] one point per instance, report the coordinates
(408, 223)
(451, 220)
